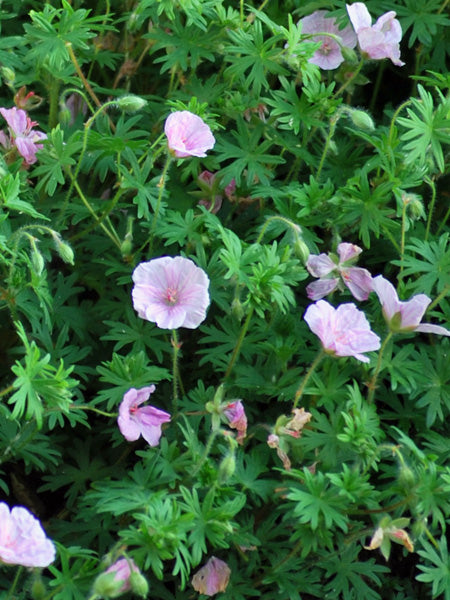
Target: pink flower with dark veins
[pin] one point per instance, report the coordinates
(381, 40)
(188, 135)
(329, 55)
(22, 539)
(333, 272)
(212, 578)
(135, 420)
(404, 317)
(22, 135)
(171, 292)
(343, 331)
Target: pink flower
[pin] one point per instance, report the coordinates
(332, 271)
(380, 40)
(134, 421)
(329, 55)
(188, 135)
(22, 539)
(403, 317)
(171, 292)
(122, 571)
(212, 578)
(343, 331)
(22, 134)
(237, 419)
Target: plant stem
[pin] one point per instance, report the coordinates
(161, 185)
(288, 222)
(394, 118)
(7, 390)
(96, 410)
(350, 79)
(85, 82)
(209, 443)
(176, 372)
(312, 368)
(14, 584)
(372, 384)
(237, 348)
(54, 100)
(402, 240)
(331, 131)
(431, 207)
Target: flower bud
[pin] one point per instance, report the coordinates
(301, 250)
(38, 590)
(362, 120)
(406, 477)
(237, 309)
(63, 248)
(139, 584)
(131, 103)
(107, 586)
(348, 53)
(37, 260)
(8, 75)
(226, 468)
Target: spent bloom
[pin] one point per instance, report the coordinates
(380, 40)
(237, 419)
(134, 420)
(212, 578)
(329, 55)
(333, 271)
(22, 135)
(22, 539)
(343, 331)
(188, 135)
(171, 292)
(403, 317)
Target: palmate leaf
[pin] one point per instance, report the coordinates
(248, 154)
(428, 129)
(424, 16)
(438, 572)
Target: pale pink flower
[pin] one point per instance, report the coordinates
(212, 578)
(22, 134)
(403, 317)
(343, 331)
(329, 55)
(334, 271)
(134, 421)
(380, 40)
(122, 571)
(188, 135)
(171, 292)
(22, 539)
(237, 419)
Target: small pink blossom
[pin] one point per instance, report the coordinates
(333, 272)
(122, 571)
(188, 135)
(237, 419)
(134, 421)
(380, 40)
(22, 134)
(212, 578)
(329, 55)
(171, 292)
(343, 331)
(403, 317)
(22, 539)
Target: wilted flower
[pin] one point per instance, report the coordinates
(134, 421)
(329, 55)
(22, 134)
(188, 135)
(380, 40)
(295, 425)
(343, 331)
(332, 270)
(390, 530)
(274, 441)
(22, 539)
(171, 292)
(212, 578)
(237, 419)
(403, 317)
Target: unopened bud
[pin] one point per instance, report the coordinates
(8, 75)
(406, 477)
(237, 309)
(63, 249)
(37, 260)
(301, 250)
(64, 115)
(139, 584)
(362, 120)
(38, 590)
(349, 54)
(226, 468)
(131, 103)
(414, 205)
(107, 586)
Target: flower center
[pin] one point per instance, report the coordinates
(171, 297)
(326, 48)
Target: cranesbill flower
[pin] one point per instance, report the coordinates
(135, 420)
(333, 272)
(171, 292)
(343, 331)
(212, 578)
(403, 317)
(380, 40)
(237, 419)
(188, 135)
(22, 539)
(22, 135)
(329, 55)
